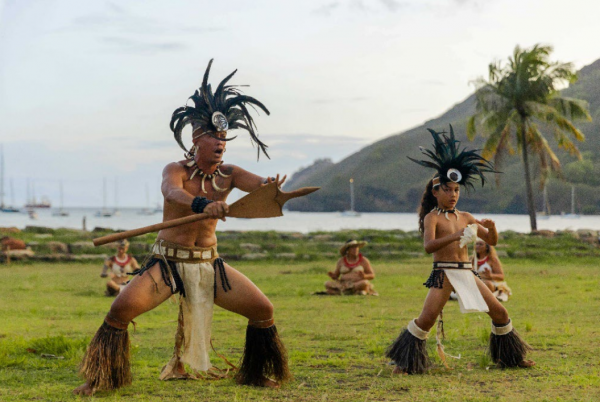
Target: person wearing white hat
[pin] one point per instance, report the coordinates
(352, 272)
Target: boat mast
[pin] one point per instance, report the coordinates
(116, 195)
(1, 176)
(351, 194)
(104, 195)
(12, 194)
(147, 198)
(546, 201)
(61, 196)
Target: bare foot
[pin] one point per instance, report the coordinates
(526, 364)
(399, 370)
(267, 383)
(84, 389)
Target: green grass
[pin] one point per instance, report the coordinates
(335, 344)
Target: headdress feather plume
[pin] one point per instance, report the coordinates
(226, 100)
(447, 158)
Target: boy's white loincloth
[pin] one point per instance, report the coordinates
(469, 296)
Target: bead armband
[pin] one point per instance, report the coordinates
(199, 204)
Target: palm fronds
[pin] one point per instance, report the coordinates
(525, 91)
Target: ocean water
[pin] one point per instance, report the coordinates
(304, 222)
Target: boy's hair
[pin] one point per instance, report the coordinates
(428, 202)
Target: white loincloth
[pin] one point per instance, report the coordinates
(192, 340)
(469, 296)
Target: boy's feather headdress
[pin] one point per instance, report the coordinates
(453, 164)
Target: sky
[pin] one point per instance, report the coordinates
(87, 88)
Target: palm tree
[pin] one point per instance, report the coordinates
(519, 98)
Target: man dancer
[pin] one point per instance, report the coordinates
(185, 258)
(446, 230)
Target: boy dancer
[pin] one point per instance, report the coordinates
(446, 231)
(185, 259)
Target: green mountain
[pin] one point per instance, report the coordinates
(385, 180)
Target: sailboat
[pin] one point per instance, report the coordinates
(104, 213)
(545, 213)
(61, 211)
(28, 209)
(32, 214)
(32, 203)
(116, 211)
(147, 210)
(572, 215)
(158, 208)
(5, 208)
(351, 212)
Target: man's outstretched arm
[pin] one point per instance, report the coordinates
(249, 182)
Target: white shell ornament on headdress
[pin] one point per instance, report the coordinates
(219, 120)
(454, 175)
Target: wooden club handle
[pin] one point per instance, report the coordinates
(148, 229)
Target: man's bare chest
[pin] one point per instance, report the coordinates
(208, 190)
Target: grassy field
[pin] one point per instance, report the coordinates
(335, 344)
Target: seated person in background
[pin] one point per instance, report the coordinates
(117, 267)
(490, 270)
(352, 272)
(10, 243)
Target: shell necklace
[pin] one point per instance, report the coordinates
(446, 211)
(210, 176)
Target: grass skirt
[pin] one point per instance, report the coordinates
(106, 364)
(508, 350)
(264, 357)
(409, 353)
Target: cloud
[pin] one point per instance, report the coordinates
(154, 144)
(137, 46)
(468, 3)
(116, 18)
(325, 10)
(115, 7)
(325, 101)
(436, 83)
(392, 5)
(359, 6)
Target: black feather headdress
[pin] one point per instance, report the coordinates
(453, 164)
(223, 110)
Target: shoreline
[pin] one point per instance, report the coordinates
(299, 221)
(75, 245)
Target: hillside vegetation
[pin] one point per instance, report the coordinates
(385, 180)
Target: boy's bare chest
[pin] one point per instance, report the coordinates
(449, 226)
